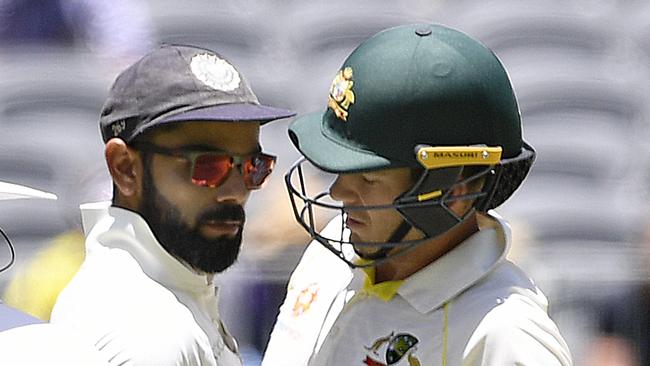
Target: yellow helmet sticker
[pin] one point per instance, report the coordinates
(446, 156)
(341, 94)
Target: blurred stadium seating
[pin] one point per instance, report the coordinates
(579, 68)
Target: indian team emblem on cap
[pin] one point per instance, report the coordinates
(341, 94)
(215, 72)
(395, 347)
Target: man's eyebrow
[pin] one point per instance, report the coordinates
(198, 147)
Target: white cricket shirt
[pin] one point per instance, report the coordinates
(46, 344)
(136, 303)
(470, 307)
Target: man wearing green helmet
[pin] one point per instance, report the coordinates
(423, 132)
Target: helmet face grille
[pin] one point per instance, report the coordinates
(511, 173)
(424, 206)
(314, 210)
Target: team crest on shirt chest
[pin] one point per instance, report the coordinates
(391, 349)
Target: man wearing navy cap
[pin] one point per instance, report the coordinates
(181, 128)
(423, 134)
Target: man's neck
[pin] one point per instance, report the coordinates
(425, 253)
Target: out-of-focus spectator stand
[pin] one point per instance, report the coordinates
(583, 96)
(621, 333)
(579, 68)
(57, 60)
(623, 328)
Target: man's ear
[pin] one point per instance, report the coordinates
(125, 167)
(460, 189)
(461, 207)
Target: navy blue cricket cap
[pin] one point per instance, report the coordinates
(179, 83)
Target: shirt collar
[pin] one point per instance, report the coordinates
(384, 290)
(115, 227)
(459, 269)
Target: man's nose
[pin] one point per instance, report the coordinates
(340, 190)
(233, 189)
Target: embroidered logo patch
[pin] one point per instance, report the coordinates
(118, 127)
(393, 348)
(306, 297)
(341, 94)
(215, 72)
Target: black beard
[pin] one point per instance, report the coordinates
(184, 242)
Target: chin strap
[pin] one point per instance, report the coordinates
(397, 236)
(399, 233)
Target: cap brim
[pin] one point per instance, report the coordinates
(9, 191)
(328, 154)
(232, 112)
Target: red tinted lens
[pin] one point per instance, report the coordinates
(211, 170)
(256, 169)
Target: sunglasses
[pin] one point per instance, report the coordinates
(210, 168)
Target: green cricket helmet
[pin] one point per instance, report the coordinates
(422, 96)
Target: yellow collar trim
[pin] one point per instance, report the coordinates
(384, 291)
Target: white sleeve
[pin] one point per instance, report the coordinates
(47, 344)
(131, 323)
(517, 333)
(313, 287)
(157, 346)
